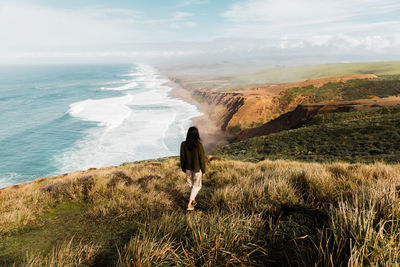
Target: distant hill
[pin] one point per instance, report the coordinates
(304, 72)
(246, 76)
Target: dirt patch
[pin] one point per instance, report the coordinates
(147, 178)
(301, 220)
(178, 198)
(154, 164)
(55, 188)
(119, 177)
(215, 158)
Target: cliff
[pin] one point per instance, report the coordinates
(294, 118)
(304, 112)
(235, 111)
(224, 105)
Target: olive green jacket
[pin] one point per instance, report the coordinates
(193, 160)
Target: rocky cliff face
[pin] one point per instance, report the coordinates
(294, 118)
(224, 104)
(235, 111)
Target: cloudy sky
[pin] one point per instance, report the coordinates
(120, 30)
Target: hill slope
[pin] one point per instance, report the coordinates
(361, 136)
(274, 213)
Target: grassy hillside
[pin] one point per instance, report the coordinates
(275, 213)
(362, 136)
(300, 73)
(387, 85)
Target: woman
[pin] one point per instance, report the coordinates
(193, 163)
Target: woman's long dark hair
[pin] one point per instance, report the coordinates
(192, 137)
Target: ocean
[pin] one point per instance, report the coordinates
(61, 118)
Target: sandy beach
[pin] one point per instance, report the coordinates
(211, 135)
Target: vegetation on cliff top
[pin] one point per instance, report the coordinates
(360, 136)
(276, 213)
(384, 86)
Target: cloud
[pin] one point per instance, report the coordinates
(274, 30)
(106, 13)
(367, 25)
(185, 24)
(38, 27)
(286, 43)
(34, 29)
(181, 15)
(374, 43)
(179, 20)
(32, 33)
(193, 2)
(304, 18)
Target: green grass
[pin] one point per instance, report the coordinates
(362, 136)
(366, 115)
(235, 129)
(358, 89)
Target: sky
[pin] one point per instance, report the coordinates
(129, 30)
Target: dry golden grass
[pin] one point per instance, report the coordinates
(66, 254)
(271, 212)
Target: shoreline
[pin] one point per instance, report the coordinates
(211, 135)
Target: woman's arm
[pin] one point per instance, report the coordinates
(182, 157)
(202, 159)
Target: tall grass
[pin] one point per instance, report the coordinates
(64, 254)
(267, 213)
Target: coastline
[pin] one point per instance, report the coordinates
(212, 136)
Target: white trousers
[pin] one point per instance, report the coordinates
(194, 181)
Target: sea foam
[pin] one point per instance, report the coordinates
(127, 86)
(11, 178)
(144, 122)
(109, 112)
